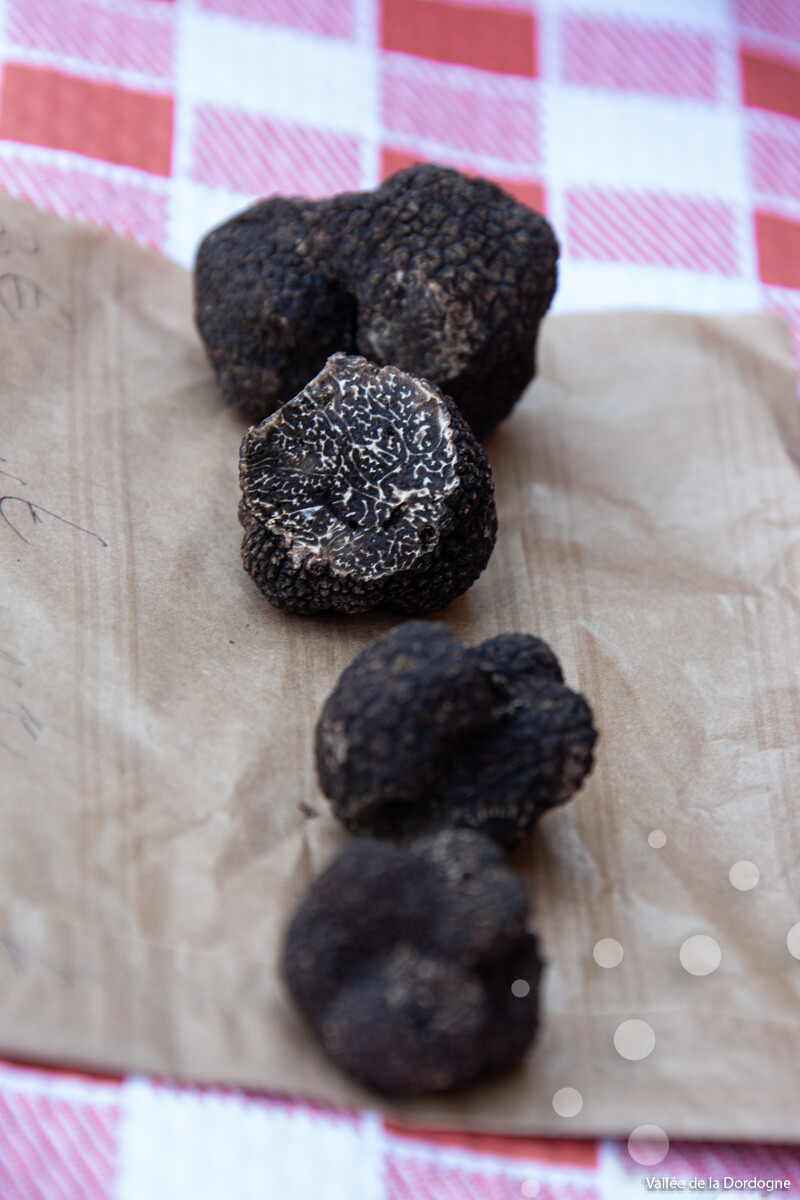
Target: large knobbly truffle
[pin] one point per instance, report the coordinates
(422, 733)
(367, 489)
(441, 274)
(402, 960)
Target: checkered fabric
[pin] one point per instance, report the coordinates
(661, 138)
(64, 1137)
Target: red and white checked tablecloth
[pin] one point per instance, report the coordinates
(661, 138)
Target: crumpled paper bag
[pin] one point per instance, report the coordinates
(159, 817)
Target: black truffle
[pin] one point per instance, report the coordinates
(367, 489)
(422, 733)
(402, 961)
(443, 275)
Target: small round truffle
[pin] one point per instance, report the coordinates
(441, 274)
(422, 733)
(367, 489)
(402, 961)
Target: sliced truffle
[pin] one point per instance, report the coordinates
(422, 733)
(402, 961)
(444, 275)
(367, 489)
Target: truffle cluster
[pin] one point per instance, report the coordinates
(413, 310)
(366, 489)
(403, 954)
(440, 274)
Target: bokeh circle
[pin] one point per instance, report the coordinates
(568, 1102)
(648, 1145)
(608, 952)
(700, 954)
(744, 875)
(634, 1040)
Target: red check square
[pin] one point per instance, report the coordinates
(778, 243)
(494, 39)
(100, 120)
(771, 83)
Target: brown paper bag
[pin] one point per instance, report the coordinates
(157, 792)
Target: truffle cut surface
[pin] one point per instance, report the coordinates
(422, 732)
(441, 274)
(402, 960)
(368, 488)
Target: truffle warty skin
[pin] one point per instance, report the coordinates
(422, 732)
(403, 959)
(443, 275)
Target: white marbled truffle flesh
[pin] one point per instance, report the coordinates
(367, 489)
